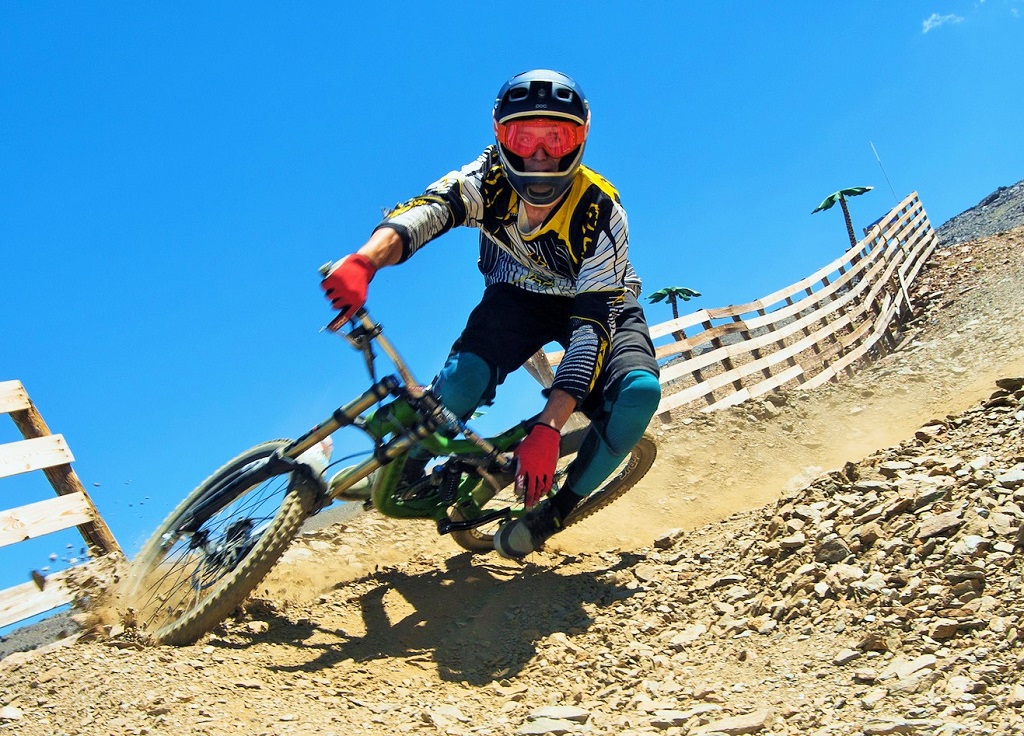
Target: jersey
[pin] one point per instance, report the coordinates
(580, 252)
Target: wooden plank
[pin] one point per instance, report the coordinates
(699, 339)
(65, 481)
(790, 374)
(842, 260)
(921, 253)
(833, 370)
(737, 397)
(757, 389)
(695, 318)
(738, 349)
(25, 600)
(686, 321)
(733, 327)
(540, 368)
(694, 392)
(33, 454)
(896, 245)
(734, 311)
(888, 261)
(710, 357)
(43, 517)
(905, 226)
(848, 342)
(773, 317)
(808, 282)
(893, 215)
(13, 397)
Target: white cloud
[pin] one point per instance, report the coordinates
(935, 20)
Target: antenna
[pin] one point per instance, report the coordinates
(884, 174)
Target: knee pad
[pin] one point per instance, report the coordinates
(465, 382)
(631, 410)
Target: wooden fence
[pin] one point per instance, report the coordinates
(806, 334)
(49, 453)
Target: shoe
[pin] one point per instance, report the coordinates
(359, 491)
(528, 533)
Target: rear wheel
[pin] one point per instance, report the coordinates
(189, 577)
(625, 476)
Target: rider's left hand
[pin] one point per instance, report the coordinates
(536, 458)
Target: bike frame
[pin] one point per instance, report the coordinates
(414, 418)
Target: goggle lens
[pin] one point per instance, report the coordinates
(524, 137)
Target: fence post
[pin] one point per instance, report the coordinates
(65, 481)
(41, 450)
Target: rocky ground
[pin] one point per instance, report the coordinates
(998, 212)
(842, 561)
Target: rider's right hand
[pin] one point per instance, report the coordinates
(347, 282)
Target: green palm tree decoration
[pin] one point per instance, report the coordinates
(673, 294)
(840, 197)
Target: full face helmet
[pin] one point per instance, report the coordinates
(541, 109)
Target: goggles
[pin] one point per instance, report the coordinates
(523, 137)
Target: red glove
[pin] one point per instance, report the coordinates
(537, 456)
(347, 283)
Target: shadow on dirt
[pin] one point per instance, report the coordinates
(479, 622)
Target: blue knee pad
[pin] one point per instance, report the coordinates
(631, 410)
(610, 439)
(465, 382)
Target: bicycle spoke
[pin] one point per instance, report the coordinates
(193, 564)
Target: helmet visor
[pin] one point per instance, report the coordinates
(524, 137)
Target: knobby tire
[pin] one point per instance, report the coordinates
(231, 589)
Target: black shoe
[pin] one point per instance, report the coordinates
(528, 533)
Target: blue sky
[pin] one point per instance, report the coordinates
(172, 175)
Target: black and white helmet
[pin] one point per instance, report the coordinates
(542, 94)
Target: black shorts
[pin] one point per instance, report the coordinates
(510, 324)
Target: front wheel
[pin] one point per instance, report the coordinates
(629, 472)
(215, 547)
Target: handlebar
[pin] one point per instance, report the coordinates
(364, 332)
(369, 330)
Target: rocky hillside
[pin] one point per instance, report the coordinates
(842, 561)
(1000, 211)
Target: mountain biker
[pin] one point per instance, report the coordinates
(554, 255)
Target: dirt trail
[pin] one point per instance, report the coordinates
(379, 627)
(713, 465)
(724, 465)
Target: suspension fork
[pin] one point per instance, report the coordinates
(344, 416)
(284, 460)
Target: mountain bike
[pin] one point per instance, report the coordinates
(222, 540)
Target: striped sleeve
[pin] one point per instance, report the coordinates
(449, 202)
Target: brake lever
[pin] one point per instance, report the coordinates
(335, 324)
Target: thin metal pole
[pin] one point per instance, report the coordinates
(883, 173)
